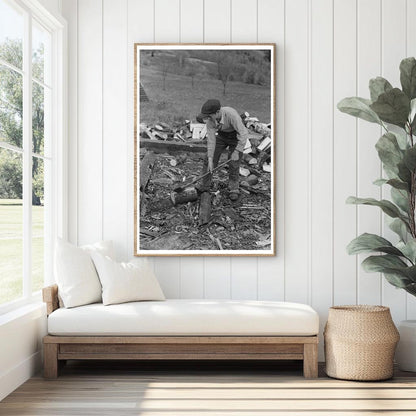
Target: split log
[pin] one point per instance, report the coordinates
(187, 195)
(244, 171)
(259, 128)
(161, 135)
(265, 144)
(205, 208)
(149, 133)
(161, 146)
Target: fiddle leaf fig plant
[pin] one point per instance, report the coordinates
(394, 109)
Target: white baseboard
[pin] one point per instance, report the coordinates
(10, 380)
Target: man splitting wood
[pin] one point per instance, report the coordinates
(225, 129)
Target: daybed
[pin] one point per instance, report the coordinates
(181, 329)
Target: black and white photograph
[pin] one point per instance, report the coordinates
(205, 150)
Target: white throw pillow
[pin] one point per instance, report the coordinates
(75, 273)
(126, 282)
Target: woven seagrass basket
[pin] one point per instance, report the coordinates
(360, 341)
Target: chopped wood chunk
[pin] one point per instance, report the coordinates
(244, 172)
(265, 144)
(267, 167)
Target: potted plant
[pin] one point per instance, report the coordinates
(394, 109)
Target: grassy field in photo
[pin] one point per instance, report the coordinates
(11, 249)
(180, 101)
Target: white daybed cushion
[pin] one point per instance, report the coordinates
(126, 282)
(187, 317)
(75, 273)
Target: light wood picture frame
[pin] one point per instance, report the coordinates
(192, 101)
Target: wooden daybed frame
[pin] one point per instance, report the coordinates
(58, 349)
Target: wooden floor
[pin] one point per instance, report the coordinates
(192, 389)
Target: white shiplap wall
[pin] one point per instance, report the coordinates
(326, 50)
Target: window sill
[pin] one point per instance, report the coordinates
(35, 307)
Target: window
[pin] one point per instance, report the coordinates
(31, 141)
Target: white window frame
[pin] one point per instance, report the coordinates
(58, 211)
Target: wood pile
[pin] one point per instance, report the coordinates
(182, 132)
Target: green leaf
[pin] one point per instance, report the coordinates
(398, 184)
(400, 228)
(389, 208)
(397, 280)
(408, 77)
(359, 107)
(385, 262)
(410, 158)
(404, 173)
(411, 289)
(408, 249)
(401, 139)
(390, 173)
(380, 182)
(400, 198)
(389, 151)
(366, 243)
(392, 107)
(378, 86)
(410, 272)
(396, 271)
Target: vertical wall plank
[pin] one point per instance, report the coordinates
(167, 271)
(369, 167)
(296, 152)
(90, 127)
(217, 278)
(393, 51)
(345, 151)
(192, 278)
(70, 12)
(411, 51)
(192, 31)
(244, 29)
(217, 21)
(411, 28)
(167, 29)
(167, 15)
(192, 21)
(217, 27)
(115, 52)
(271, 29)
(321, 148)
(244, 278)
(244, 21)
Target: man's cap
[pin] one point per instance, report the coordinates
(210, 107)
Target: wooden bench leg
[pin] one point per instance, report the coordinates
(50, 360)
(310, 360)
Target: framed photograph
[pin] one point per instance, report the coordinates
(205, 145)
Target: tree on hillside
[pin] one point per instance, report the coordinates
(164, 69)
(182, 55)
(11, 116)
(192, 70)
(225, 62)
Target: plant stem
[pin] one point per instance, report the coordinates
(412, 196)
